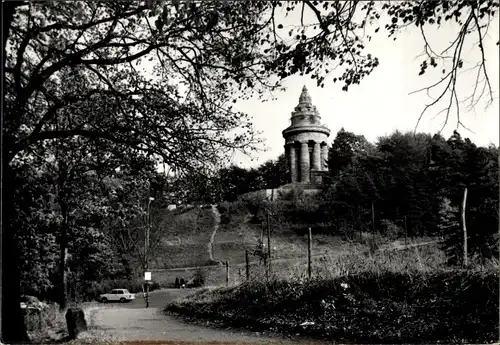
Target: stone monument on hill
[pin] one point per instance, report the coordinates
(306, 146)
(306, 151)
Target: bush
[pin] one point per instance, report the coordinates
(232, 212)
(48, 324)
(199, 278)
(449, 306)
(390, 229)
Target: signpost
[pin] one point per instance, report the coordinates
(147, 278)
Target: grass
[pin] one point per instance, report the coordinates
(49, 325)
(215, 275)
(387, 296)
(182, 255)
(186, 235)
(232, 240)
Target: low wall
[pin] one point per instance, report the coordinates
(277, 193)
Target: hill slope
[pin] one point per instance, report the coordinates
(185, 239)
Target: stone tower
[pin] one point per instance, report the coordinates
(306, 149)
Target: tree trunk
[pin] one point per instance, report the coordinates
(13, 329)
(63, 252)
(269, 262)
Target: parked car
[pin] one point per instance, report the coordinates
(117, 295)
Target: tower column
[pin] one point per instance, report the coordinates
(292, 156)
(324, 157)
(304, 163)
(316, 163)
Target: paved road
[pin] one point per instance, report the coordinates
(132, 321)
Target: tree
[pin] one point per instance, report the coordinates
(345, 147)
(460, 164)
(273, 173)
(37, 223)
(409, 192)
(85, 85)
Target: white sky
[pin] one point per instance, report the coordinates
(381, 104)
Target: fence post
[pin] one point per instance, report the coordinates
(227, 272)
(269, 243)
(309, 249)
(464, 227)
(247, 265)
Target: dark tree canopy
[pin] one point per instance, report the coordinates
(76, 70)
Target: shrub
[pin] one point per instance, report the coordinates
(232, 212)
(390, 229)
(449, 306)
(48, 324)
(199, 278)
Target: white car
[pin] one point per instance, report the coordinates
(117, 295)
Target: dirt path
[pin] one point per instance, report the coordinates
(131, 321)
(216, 216)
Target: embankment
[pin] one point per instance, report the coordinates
(448, 306)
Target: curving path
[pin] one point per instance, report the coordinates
(132, 322)
(216, 216)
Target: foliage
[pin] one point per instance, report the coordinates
(233, 213)
(91, 200)
(299, 208)
(199, 278)
(346, 146)
(227, 184)
(416, 182)
(48, 325)
(450, 306)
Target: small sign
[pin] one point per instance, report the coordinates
(147, 275)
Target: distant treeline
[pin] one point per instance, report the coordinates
(403, 183)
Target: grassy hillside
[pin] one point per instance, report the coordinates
(186, 237)
(185, 246)
(184, 243)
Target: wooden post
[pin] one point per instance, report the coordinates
(269, 243)
(464, 227)
(247, 265)
(227, 272)
(309, 249)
